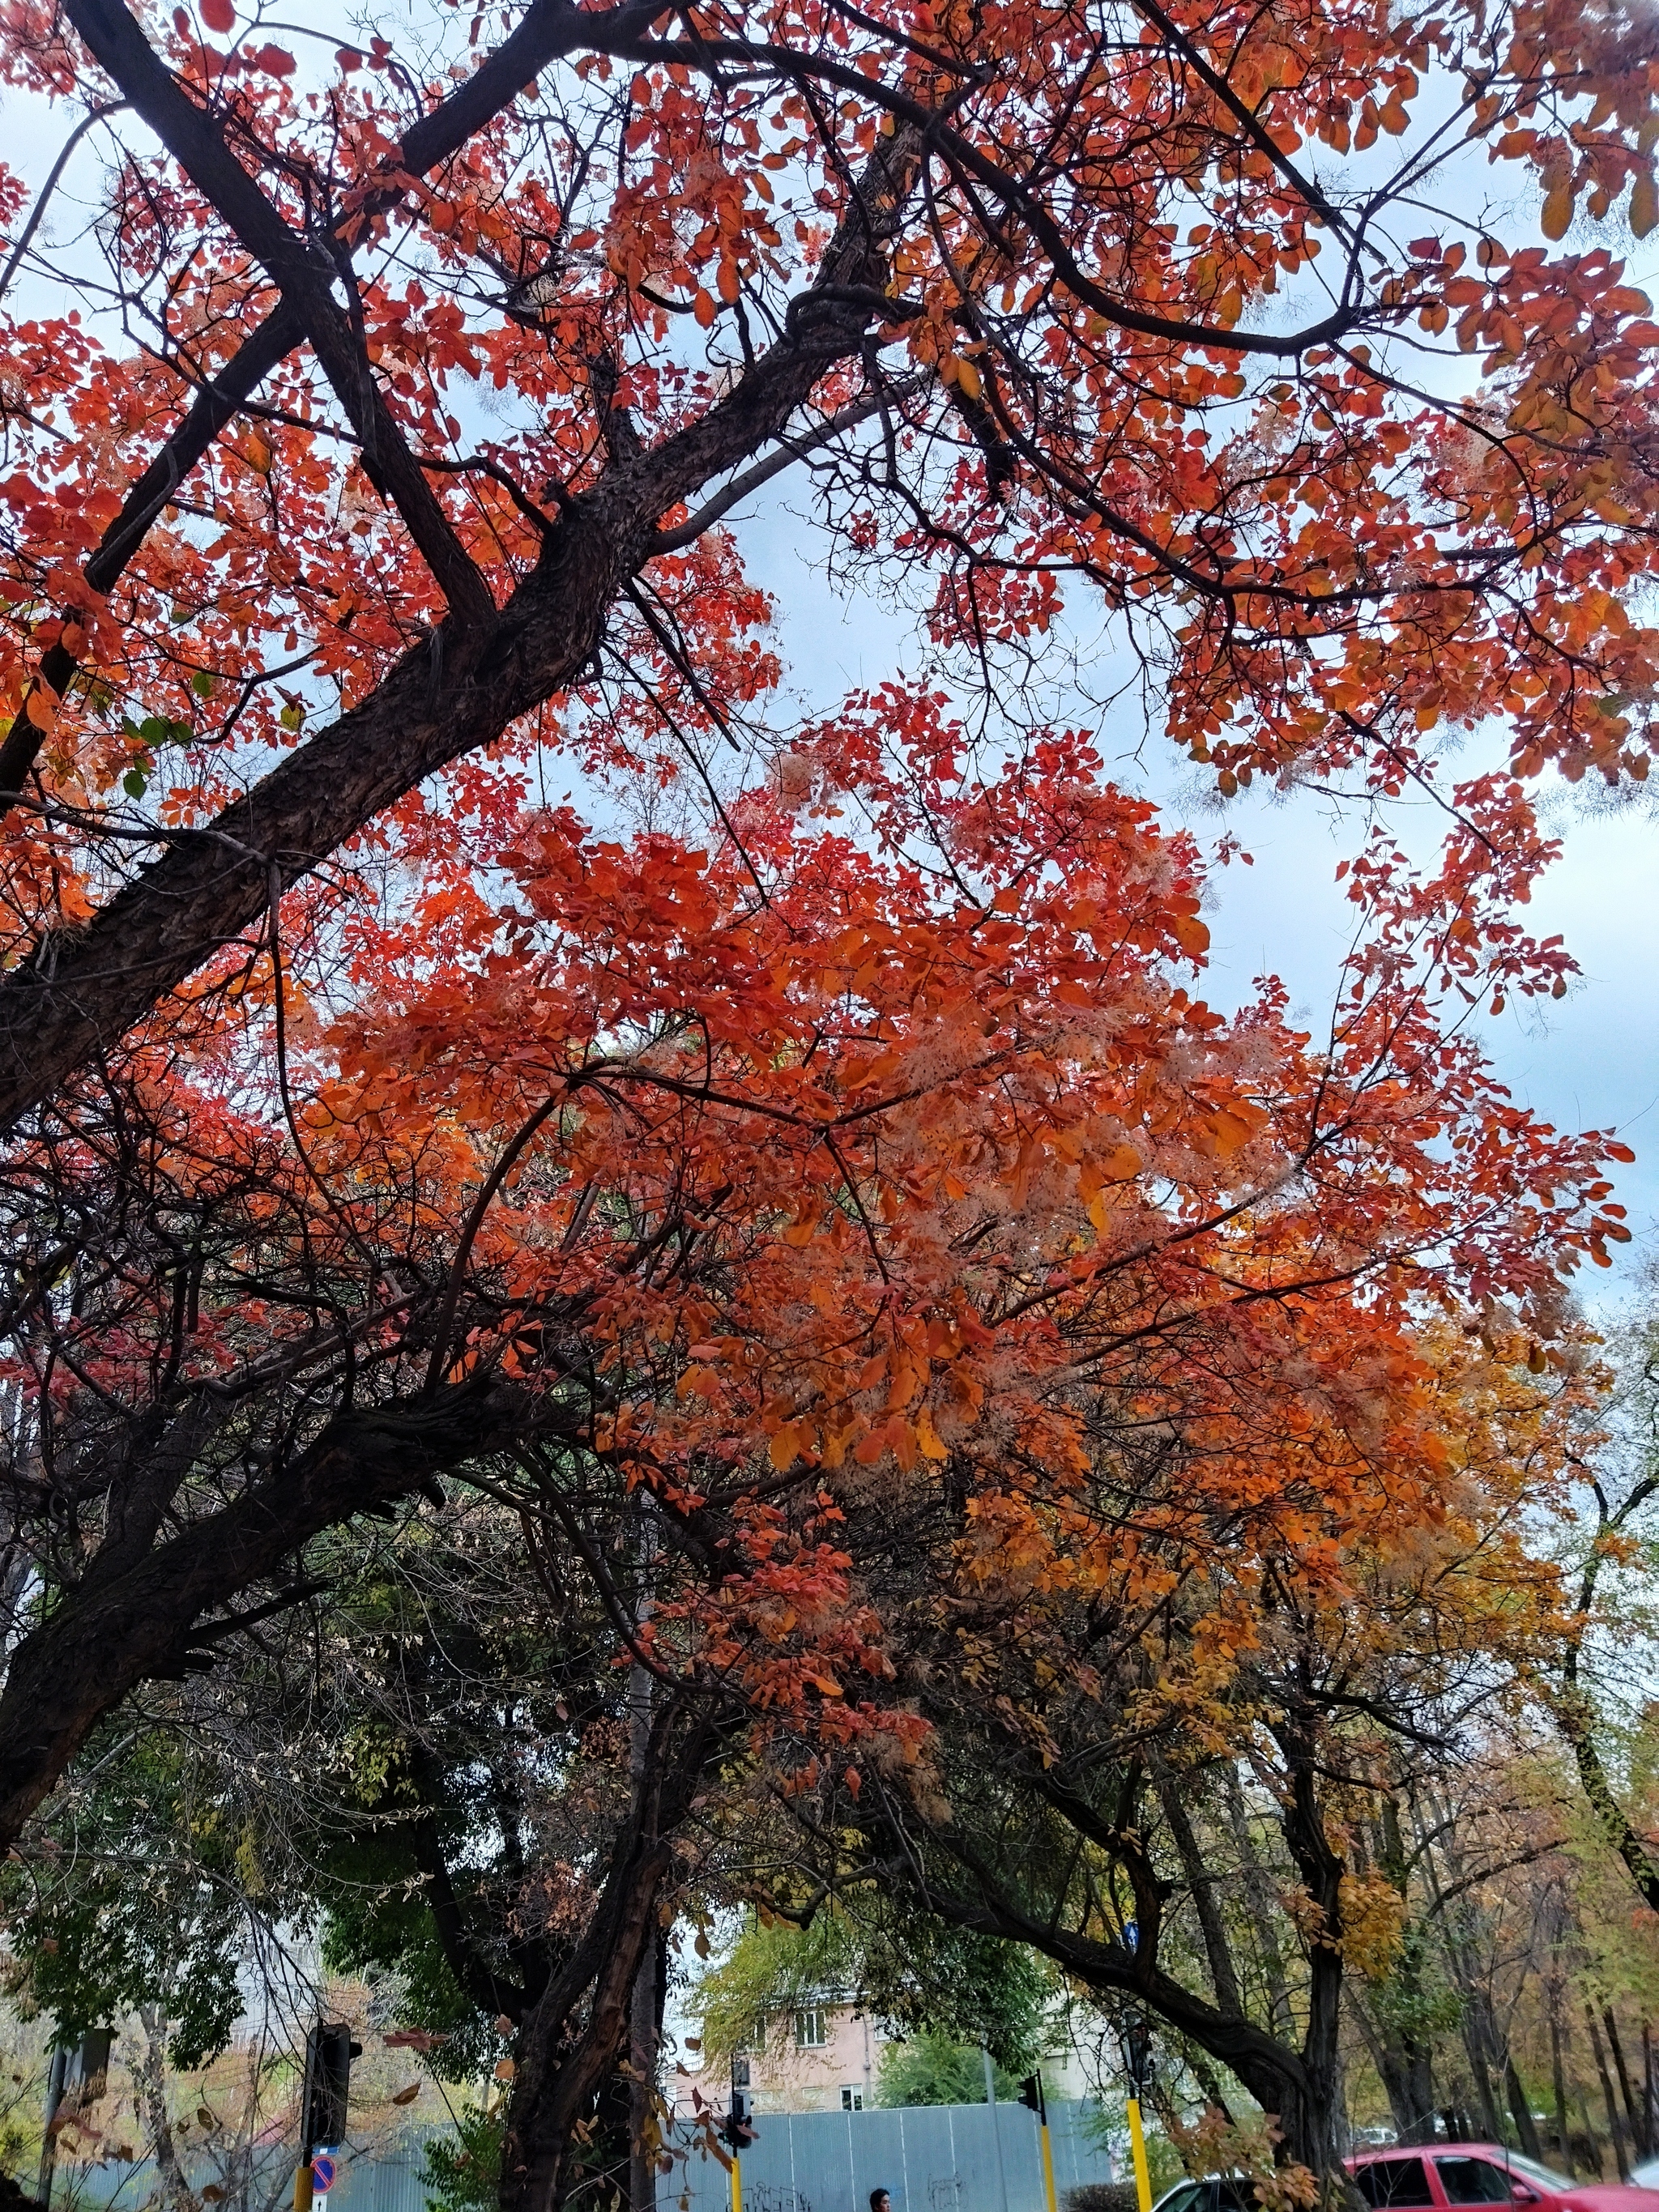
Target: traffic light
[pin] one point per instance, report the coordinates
(1030, 2092)
(737, 2129)
(328, 2053)
(1137, 2053)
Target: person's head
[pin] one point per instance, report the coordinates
(880, 2201)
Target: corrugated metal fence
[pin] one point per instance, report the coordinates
(931, 2158)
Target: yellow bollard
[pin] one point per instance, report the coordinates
(1138, 2148)
(1049, 2168)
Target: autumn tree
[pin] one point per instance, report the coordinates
(1110, 304)
(742, 1214)
(377, 1126)
(1002, 278)
(1174, 1709)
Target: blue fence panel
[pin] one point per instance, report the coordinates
(930, 2158)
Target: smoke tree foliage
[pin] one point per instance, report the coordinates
(854, 1135)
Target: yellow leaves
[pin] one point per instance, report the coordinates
(928, 1437)
(1121, 1164)
(1556, 217)
(1373, 1914)
(258, 452)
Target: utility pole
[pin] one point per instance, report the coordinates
(996, 2128)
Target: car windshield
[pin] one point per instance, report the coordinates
(1541, 2177)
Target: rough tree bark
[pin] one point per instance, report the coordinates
(572, 2040)
(482, 667)
(143, 1607)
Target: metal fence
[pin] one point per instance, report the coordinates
(383, 2178)
(930, 2158)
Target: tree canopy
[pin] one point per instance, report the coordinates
(937, 1393)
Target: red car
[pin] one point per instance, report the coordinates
(1436, 2174)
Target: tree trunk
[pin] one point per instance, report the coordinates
(1223, 1978)
(575, 2036)
(153, 2087)
(1638, 2133)
(642, 2132)
(1615, 2124)
(1558, 2078)
(1520, 2106)
(1258, 1890)
(1310, 2117)
(1474, 2043)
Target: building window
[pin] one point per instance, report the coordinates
(810, 2034)
(852, 2101)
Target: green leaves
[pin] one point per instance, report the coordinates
(137, 1905)
(158, 730)
(161, 729)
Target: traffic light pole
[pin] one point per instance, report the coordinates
(1137, 2152)
(324, 2100)
(1137, 2044)
(1030, 2092)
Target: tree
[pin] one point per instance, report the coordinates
(693, 1222)
(1060, 301)
(938, 1986)
(935, 2069)
(1622, 1452)
(1094, 1674)
(376, 1129)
